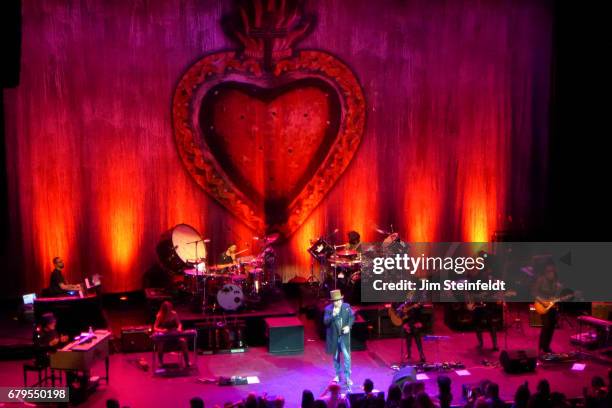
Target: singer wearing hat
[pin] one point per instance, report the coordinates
(339, 319)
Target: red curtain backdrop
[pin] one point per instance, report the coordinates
(455, 141)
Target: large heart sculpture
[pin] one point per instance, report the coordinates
(268, 140)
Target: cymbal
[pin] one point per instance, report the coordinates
(347, 253)
(391, 238)
(220, 267)
(345, 263)
(271, 238)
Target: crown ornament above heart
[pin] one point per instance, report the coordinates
(267, 130)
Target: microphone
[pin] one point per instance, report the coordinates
(207, 240)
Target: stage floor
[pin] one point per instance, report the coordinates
(289, 375)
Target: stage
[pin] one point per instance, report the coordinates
(288, 375)
(235, 161)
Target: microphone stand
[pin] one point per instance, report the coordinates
(197, 274)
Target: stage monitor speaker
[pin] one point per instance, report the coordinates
(136, 339)
(518, 361)
(285, 335)
(407, 373)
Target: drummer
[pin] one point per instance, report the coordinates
(354, 241)
(229, 255)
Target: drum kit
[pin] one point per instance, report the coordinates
(339, 267)
(228, 287)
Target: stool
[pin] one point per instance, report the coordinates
(43, 373)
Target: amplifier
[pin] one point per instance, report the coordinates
(359, 334)
(535, 320)
(136, 339)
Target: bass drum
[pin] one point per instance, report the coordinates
(230, 297)
(177, 248)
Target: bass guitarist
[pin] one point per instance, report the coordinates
(483, 314)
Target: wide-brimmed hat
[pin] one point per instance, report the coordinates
(335, 295)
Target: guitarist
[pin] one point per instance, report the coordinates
(546, 288)
(412, 324)
(482, 311)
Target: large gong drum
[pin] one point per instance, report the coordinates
(181, 247)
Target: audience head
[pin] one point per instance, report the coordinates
(196, 402)
(368, 385)
(419, 386)
(112, 403)
(474, 393)
(408, 389)
(444, 384)
(558, 399)
(444, 391)
(251, 400)
(320, 404)
(279, 402)
(334, 388)
(481, 402)
(422, 400)
(522, 395)
(394, 393)
(307, 399)
(483, 386)
(544, 388)
(492, 390)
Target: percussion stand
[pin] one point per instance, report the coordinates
(197, 274)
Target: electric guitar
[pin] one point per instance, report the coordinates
(543, 306)
(472, 305)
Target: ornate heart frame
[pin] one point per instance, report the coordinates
(252, 67)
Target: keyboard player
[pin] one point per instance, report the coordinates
(167, 321)
(47, 339)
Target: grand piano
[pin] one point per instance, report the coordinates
(81, 354)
